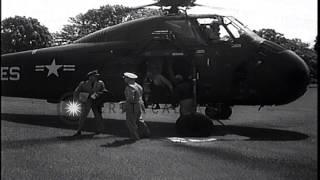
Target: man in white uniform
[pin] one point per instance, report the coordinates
(134, 106)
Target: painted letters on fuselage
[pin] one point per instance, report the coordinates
(10, 73)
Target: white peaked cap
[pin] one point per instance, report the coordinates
(130, 75)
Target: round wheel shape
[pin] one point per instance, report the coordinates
(195, 125)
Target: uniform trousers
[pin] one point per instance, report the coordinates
(135, 122)
(97, 111)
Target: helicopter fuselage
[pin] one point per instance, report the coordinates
(237, 68)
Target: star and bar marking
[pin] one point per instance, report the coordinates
(53, 68)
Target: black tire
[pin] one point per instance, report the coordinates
(64, 117)
(218, 112)
(226, 112)
(212, 112)
(195, 125)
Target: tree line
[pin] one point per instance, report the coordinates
(22, 33)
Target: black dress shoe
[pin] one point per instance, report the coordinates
(157, 106)
(78, 133)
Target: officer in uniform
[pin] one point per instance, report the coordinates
(95, 95)
(134, 106)
(147, 83)
(183, 93)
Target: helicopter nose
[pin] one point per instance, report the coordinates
(295, 75)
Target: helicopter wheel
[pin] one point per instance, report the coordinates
(64, 117)
(196, 125)
(219, 111)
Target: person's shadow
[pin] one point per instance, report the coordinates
(80, 137)
(159, 129)
(118, 143)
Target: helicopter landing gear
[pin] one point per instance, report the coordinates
(218, 111)
(196, 125)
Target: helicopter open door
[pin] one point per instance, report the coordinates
(224, 53)
(167, 54)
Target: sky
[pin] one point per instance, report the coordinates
(293, 18)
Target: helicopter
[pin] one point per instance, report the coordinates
(228, 63)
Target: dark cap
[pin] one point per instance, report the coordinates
(95, 72)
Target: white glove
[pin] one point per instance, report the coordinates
(122, 106)
(94, 95)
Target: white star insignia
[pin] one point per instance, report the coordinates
(53, 68)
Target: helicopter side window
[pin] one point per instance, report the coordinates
(212, 30)
(223, 34)
(215, 33)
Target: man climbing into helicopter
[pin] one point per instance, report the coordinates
(183, 93)
(160, 85)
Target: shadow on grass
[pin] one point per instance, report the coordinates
(118, 143)
(158, 129)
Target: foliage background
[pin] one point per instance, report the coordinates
(21, 33)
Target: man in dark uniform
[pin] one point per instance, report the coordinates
(92, 94)
(183, 93)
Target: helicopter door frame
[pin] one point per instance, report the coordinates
(221, 57)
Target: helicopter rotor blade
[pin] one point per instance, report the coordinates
(211, 7)
(218, 8)
(146, 5)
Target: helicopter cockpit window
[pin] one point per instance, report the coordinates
(233, 28)
(212, 30)
(237, 28)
